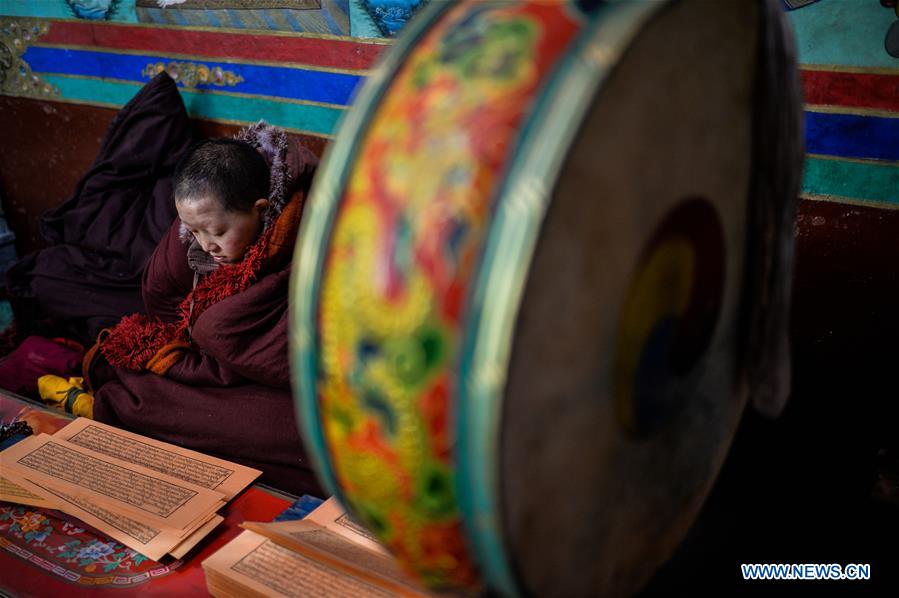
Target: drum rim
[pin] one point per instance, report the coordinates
(316, 228)
(573, 85)
(496, 300)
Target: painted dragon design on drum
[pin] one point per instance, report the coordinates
(401, 260)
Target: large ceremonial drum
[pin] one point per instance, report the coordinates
(538, 276)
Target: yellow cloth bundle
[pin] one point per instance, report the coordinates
(66, 395)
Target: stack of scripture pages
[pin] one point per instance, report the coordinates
(325, 554)
(151, 496)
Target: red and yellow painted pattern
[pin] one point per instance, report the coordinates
(404, 249)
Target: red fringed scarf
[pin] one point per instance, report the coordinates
(138, 342)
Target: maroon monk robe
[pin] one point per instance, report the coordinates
(229, 395)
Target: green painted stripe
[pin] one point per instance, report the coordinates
(315, 119)
(92, 90)
(865, 181)
(318, 120)
(843, 32)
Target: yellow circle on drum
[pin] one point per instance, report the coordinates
(668, 316)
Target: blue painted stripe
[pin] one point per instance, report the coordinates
(338, 13)
(281, 82)
(210, 16)
(288, 16)
(852, 135)
(333, 27)
(203, 104)
(178, 17)
(269, 21)
(235, 19)
(156, 15)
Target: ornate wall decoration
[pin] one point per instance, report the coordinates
(303, 83)
(232, 4)
(381, 18)
(308, 16)
(6, 62)
(851, 105)
(16, 77)
(191, 74)
(390, 16)
(93, 10)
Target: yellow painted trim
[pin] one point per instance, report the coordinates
(845, 68)
(204, 58)
(828, 109)
(870, 161)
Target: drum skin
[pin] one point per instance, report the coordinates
(516, 322)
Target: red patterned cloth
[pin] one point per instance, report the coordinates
(47, 553)
(72, 550)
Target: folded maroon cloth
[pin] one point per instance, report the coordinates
(35, 357)
(99, 240)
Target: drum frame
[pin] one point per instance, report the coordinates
(315, 231)
(522, 198)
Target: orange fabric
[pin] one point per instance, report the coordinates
(167, 356)
(284, 235)
(88, 360)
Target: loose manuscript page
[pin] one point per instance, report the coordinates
(151, 542)
(162, 457)
(254, 563)
(186, 545)
(333, 516)
(154, 499)
(19, 490)
(324, 546)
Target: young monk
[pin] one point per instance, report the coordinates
(207, 367)
(221, 194)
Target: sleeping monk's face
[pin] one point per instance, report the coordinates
(224, 234)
